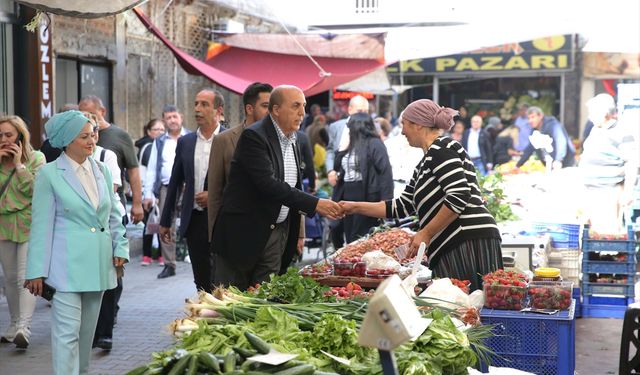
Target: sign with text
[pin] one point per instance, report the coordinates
(45, 76)
(554, 53)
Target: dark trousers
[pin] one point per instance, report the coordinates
(336, 233)
(356, 226)
(108, 311)
(147, 239)
(242, 276)
(202, 262)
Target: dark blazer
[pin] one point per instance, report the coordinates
(252, 199)
(484, 143)
(306, 153)
(375, 169)
(182, 174)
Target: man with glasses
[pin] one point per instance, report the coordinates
(163, 154)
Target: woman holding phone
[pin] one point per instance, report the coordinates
(19, 164)
(77, 239)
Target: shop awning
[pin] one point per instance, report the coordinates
(235, 68)
(83, 8)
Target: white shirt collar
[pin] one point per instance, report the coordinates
(76, 166)
(215, 132)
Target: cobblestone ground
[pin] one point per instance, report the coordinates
(146, 308)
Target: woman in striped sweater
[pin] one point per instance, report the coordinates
(462, 237)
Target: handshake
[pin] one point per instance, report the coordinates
(335, 210)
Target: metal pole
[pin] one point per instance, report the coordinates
(388, 362)
(562, 88)
(436, 89)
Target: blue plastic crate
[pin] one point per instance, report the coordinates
(541, 344)
(603, 311)
(611, 301)
(627, 289)
(563, 236)
(576, 296)
(620, 268)
(628, 246)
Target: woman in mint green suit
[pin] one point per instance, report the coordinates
(77, 240)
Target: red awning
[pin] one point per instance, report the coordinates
(235, 68)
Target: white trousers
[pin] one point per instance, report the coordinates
(74, 316)
(13, 257)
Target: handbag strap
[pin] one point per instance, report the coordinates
(6, 184)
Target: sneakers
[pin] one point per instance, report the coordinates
(161, 261)
(22, 338)
(167, 272)
(146, 260)
(103, 343)
(10, 334)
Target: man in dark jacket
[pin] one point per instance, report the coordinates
(563, 153)
(258, 224)
(477, 142)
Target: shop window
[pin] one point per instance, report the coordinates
(76, 79)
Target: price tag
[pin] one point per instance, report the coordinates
(273, 358)
(344, 361)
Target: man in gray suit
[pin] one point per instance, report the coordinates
(338, 141)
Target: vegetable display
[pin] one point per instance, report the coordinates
(226, 329)
(387, 241)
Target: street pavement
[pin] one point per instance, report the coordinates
(147, 306)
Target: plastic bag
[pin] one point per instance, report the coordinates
(153, 222)
(377, 260)
(446, 294)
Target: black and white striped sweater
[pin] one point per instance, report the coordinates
(446, 175)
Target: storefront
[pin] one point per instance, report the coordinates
(492, 81)
(7, 18)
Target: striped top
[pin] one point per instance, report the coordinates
(15, 203)
(446, 175)
(290, 165)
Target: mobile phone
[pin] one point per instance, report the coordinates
(48, 291)
(19, 138)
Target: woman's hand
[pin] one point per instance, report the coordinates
(119, 262)
(349, 208)
(34, 286)
(421, 236)
(14, 152)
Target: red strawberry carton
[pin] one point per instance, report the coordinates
(349, 267)
(505, 290)
(550, 294)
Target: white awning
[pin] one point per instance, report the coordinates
(82, 8)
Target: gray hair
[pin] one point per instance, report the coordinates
(536, 110)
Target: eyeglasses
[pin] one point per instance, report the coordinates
(157, 129)
(6, 135)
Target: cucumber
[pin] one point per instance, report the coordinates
(258, 344)
(229, 362)
(209, 361)
(298, 370)
(138, 370)
(180, 366)
(324, 373)
(193, 365)
(244, 353)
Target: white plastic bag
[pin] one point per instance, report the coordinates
(446, 294)
(153, 222)
(377, 260)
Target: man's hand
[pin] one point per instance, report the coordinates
(165, 235)
(137, 213)
(34, 286)
(201, 199)
(349, 208)
(330, 209)
(300, 246)
(147, 204)
(332, 178)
